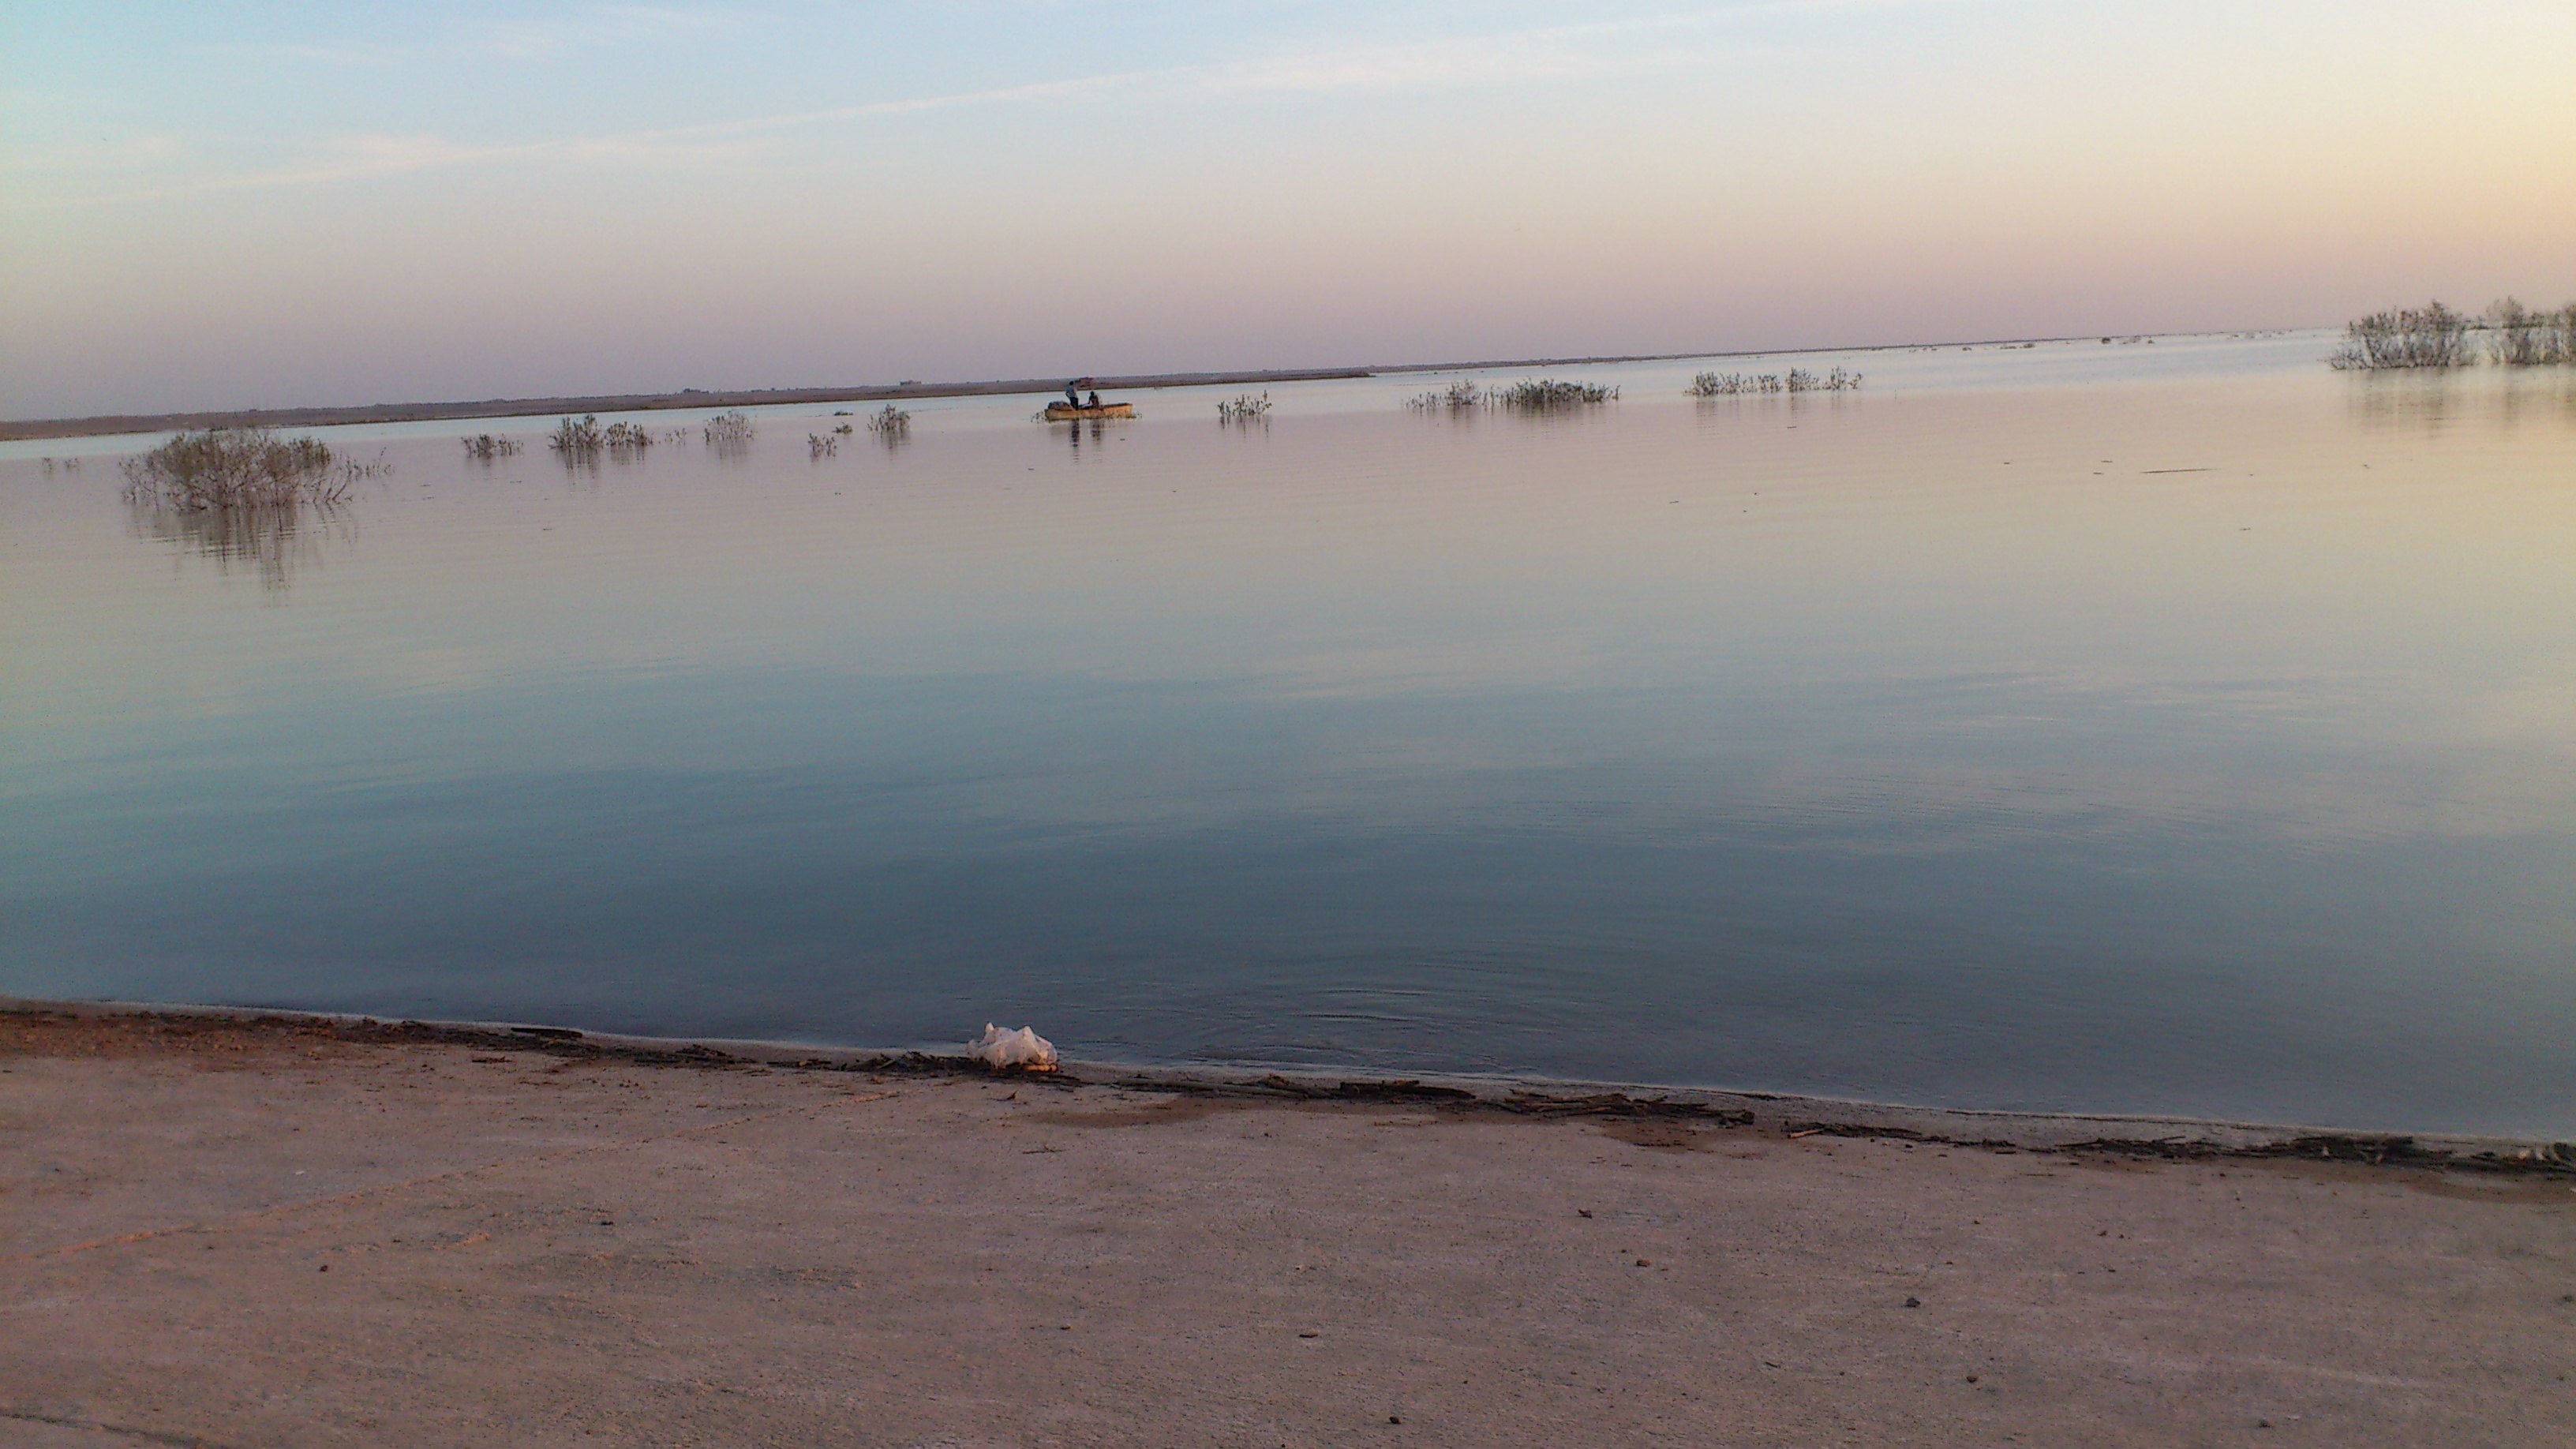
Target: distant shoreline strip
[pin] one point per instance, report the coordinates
(109, 424)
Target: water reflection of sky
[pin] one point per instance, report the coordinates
(2186, 743)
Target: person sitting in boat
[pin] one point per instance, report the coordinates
(1095, 398)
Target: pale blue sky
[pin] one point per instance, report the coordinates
(278, 204)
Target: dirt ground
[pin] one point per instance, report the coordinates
(241, 1236)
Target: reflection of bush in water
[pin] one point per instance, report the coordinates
(2434, 403)
(275, 540)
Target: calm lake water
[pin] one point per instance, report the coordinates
(2148, 727)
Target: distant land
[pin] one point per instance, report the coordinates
(528, 407)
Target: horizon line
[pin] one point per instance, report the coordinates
(354, 414)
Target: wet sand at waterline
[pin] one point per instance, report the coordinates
(240, 1234)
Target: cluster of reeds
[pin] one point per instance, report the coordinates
(822, 445)
(1838, 380)
(729, 429)
(628, 438)
(240, 468)
(890, 422)
(1244, 408)
(484, 447)
(2520, 337)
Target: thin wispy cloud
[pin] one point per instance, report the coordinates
(1553, 53)
(527, 39)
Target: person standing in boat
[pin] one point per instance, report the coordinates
(1072, 393)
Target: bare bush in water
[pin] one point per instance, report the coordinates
(1838, 380)
(582, 439)
(1731, 384)
(483, 447)
(1464, 395)
(1547, 395)
(241, 495)
(236, 468)
(2429, 336)
(729, 430)
(822, 445)
(890, 422)
(2520, 337)
(1244, 408)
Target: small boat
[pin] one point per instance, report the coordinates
(1057, 412)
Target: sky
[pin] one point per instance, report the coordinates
(215, 206)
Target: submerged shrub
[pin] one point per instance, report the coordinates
(2429, 336)
(239, 468)
(890, 422)
(1461, 396)
(484, 447)
(1801, 380)
(582, 439)
(1548, 395)
(731, 429)
(241, 495)
(1244, 408)
(822, 445)
(2520, 337)
(1731, 384)
(2435, 336)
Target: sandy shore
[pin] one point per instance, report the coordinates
(299, 1234)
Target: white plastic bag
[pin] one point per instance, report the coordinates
(999, 1049)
